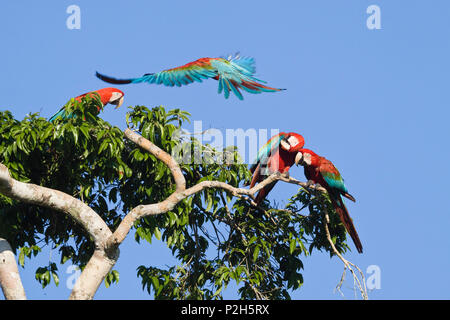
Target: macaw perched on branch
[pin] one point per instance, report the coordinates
(233, 73)
(322, 171)
(277, 155)
(107, 95)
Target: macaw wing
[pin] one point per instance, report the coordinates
(237, 73)
(233, 74)
(183, 75)
(65, 114)
(61, 113)
(248, 63)
(267, 150)
(332, 176)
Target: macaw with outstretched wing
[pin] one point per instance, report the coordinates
(232, 73)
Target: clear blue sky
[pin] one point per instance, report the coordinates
(375, 102)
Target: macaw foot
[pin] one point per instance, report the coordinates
(318, 186)
(309, 183)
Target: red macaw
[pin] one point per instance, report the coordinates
(277, 155)
(233, 73)
(107, 95)
(322, 171)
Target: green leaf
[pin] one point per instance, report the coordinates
(22, 257)
(255, 253)
(292, 245)
(55, 278)
(157, 234)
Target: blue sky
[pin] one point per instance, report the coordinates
(375, 102)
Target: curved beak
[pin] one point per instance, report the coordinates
(118, 102)
(298, 158)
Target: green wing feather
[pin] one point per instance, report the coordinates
(266, 150)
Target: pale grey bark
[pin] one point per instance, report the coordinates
(100, 264)
(10, 281)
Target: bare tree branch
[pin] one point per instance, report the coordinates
(359, 283)
(96, 269)
(9, 273)
(99, 265)
(55, 200)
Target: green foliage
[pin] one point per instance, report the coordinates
(216, 238)
(45, 274)
(79, 157)
(111, 277)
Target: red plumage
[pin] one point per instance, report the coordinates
(105, 94)
(279, 158)
(322, 171)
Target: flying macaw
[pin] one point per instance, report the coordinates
(233, 73)
(277, 155)
(107, 95)
(322, 171)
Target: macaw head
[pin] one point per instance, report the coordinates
(306, 157)
(116, 97)
(292, 142)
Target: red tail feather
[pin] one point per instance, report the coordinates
(340, 208)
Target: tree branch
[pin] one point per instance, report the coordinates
(181, 192)
(9, 273)
(55, 200)
(102, 261)
(160, 154)
(360, 284)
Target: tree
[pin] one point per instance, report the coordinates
(81, 185)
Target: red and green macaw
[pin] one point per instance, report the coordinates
(320, 170)
(277, 155)
(107, 95)
(233, 73)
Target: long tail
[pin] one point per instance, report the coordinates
(341, 209)
(112, 80)
(262, 194)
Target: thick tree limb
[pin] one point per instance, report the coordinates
(102, 261)
(99, 265)
(9, 273)
(55, 200)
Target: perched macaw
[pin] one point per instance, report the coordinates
(277, 155)
(233, 73)
(322, 171)
(107, 95)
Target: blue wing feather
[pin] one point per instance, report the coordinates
(266, 150)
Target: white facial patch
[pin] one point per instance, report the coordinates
(286, 146)
(115, 96)
(307, 158)
(293, 141)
